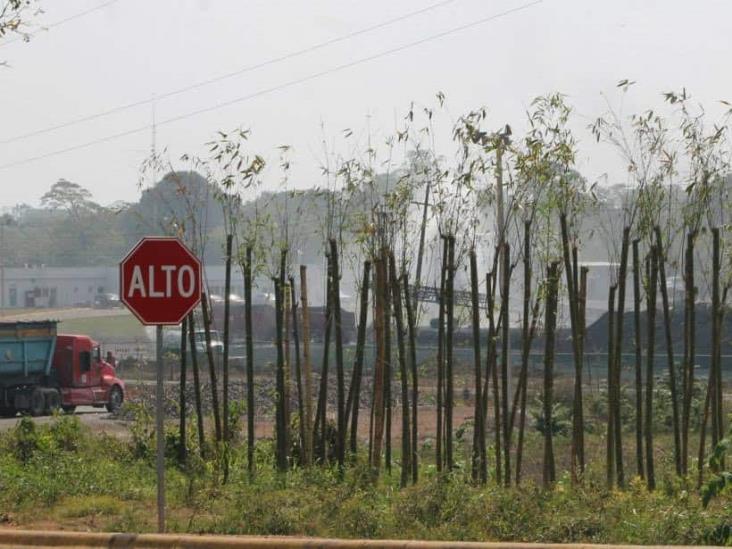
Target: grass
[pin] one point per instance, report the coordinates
(123, 327)
(94, 482)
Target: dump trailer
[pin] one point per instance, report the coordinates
(42, 371)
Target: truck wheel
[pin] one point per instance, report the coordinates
(53, 401)
(68, 409)
(37, 403)
(115, 399)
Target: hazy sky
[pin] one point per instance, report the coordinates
(131, 50)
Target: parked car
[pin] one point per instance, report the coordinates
(106, 301)
(171, 341)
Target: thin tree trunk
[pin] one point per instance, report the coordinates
(286, 374)
(638, 362)
(690, 355)
(478, 462)
(492, 374)
(183, 448)
(281, 439)
(249, 343)
(703, 433)
(610, 456)
(406, 471)
(669, 349)
(449, 351)
(522, 388)
(505, 295)
(577, 419)
(340, 379)
(308, 410)
(298, 365)
(712, 394)
(582, 330)
(320, 410)
(286, 312)
(651, 335)
(379, 367)
(714, 371)
(527, 336)
(211, 367)
(411, 323)
(578, 396)
(441, 357)
(227, 309)
(618, 356)
(388, 370)
(525, 345)
(525, 323)
(420, 251)
(354, 393)
(196, 383)
(549, 474)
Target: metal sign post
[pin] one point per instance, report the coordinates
(160, 428)
(160, 282)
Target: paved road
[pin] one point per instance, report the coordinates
(99, 420)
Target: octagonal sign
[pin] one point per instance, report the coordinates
(160, 280)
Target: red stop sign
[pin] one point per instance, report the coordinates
(160, 280)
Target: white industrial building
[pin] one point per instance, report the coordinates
(49, 287)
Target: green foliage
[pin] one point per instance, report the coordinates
(109, 484)
(25, 440)
(561, 417)
(721, 480)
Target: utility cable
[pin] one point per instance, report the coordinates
(273, 89)
(23, 36)
(222, 77)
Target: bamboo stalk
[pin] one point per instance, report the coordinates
(320, 410)
(308, 410)
(549, 473)
(406, 469)
(411, 323)
(183, 448)
(618, 355)
(441, 358)
(478, 463)
(638, 362)
(286, 375)
(669, 349)
(379, 367)
(689, 355)
(211, 366)
(505, 295)
(227, 324)
(651, 335)
(388, 370)
(610, 453)
(340, 379)
(449, 389)
(571, 278)
(249, 343)
(196, 383)
(355, 392)
(280, 427)
(298, 365)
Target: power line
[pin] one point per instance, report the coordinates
(61, 21)
(273, 89)
(220, 78)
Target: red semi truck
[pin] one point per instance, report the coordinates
(42, 371)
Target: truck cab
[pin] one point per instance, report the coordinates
(41, 371)
(85, 378)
